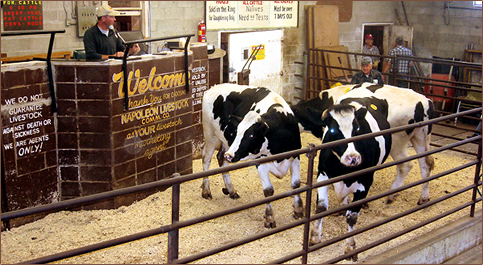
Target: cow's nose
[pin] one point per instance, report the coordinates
(228, 157)
(353, 160)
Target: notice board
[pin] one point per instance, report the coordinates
(251, 14)
(22, 15)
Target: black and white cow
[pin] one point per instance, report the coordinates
(405, 107)
(350, 117)
(244, 122)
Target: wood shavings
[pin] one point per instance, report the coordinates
(66, 230)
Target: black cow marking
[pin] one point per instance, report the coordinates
(418, 116)
(373, 88)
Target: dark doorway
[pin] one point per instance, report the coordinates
(378, 34)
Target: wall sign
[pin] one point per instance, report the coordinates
(22, 15)
(251, 14)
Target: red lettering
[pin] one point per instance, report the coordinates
(252, 3)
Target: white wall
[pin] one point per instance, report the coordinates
(168, 18)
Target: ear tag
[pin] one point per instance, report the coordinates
(373, 107)
(347, 90)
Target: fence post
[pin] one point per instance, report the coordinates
(477, 179)
(173, 236)
(308, 201)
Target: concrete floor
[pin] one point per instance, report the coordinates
(473, 255)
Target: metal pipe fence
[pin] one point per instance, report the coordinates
(448, 95)
(176, 224)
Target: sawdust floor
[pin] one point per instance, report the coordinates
(66, 230)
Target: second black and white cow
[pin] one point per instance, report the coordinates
(244, 122)
(349, 118)
(405, 107)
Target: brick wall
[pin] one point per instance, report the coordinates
(29, 158)
(104, 147)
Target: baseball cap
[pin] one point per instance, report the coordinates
(369, 36)
(399, 40)
(106, 10)
(366, 60)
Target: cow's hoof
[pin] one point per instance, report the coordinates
(391, 198)
(206, 196)
(423, 201)
(353, 257)
(270, 222)
(233, 195)
(339, 213)
(298, 215)
(314, 238)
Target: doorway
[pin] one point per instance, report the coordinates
(377, 31)
(266, 69)
(385, 36)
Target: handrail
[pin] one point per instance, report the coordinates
(176, 224)
(52, 33)
(165, 183)
(129, 45)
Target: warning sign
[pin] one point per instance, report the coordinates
(261, 52)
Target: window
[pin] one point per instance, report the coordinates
(477, 4)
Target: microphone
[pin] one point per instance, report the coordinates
(116, 33)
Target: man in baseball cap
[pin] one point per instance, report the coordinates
(370, 48)
(106, 10)
(102, 41)
(367, 74)
(403, 65)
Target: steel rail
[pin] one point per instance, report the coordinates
(182, 224)
(165, 183)
(53, 105)
(402, 232)
(369, 227)
(306, 188)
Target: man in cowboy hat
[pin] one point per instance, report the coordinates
(101, 41)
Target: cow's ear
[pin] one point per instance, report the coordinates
(315, 116)
(361, 113)
(325, 118)
(264, 128)
(234, 118)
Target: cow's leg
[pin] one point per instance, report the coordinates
(228, 189)
(322, 206)
(420, 141)
(207, 154)
(352, 214)
(264, 175)
(399, 151)
(298, 204)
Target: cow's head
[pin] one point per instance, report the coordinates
(342, 121)
(250, 139)
(308, 113)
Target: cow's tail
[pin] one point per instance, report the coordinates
(431, 114)
(430, 162)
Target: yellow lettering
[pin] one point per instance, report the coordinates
(151, 83)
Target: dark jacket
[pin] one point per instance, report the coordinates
(96, 43)
(360, 78)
